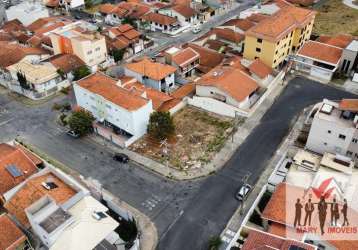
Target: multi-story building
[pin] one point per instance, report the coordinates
(82, 40)
(121, 115)
(276, 36)
(334, 128)
(152, 74)
(185, 60)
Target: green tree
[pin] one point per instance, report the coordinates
(161, 125)
(88, 4)
(129, 20)
(81, 72)
(22, 80)
(81, 122)
(61, 73)
(215, 242)
(118, 54)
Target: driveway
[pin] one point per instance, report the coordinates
(214, 203)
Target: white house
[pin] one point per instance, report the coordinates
(121, 115)
(319, 60)
(228, 85)
(72, 4)
(160, 22)
(262, 73)
(334, 128)
(60, 211)
(152, 74)
(26, 12)
(184, 14)
(185, 60)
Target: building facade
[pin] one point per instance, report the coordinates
(276, 36)
(334, 128)
(121, 115)
(82, 40)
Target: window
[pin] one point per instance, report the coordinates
(343, 137)
(258, 50)
(97, 49)
(276, 52)
(89, 52)
(355, 140)
(349, 153)
(329, 131)
(274, 61)
(355, 155)
(325, 143)
(291, 33)
(108, 106)
(259, 40)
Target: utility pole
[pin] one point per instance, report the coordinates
(244, 180)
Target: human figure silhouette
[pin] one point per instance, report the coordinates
(298, 208)
(322, 213)
(344, 212)
(334, 212)
(309, 208)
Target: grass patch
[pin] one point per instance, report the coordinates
(334, 17)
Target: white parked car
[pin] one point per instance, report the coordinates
(196, 30)
(243, 192)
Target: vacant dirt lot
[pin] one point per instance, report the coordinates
(198, 137)
(334, 17)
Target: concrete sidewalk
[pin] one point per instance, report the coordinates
(219, 159)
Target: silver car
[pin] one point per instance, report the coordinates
(243, 192)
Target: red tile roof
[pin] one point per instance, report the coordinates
(260, 69)
(341, 41)
(13, 53)
(159, 18)
(230, 80)
(184, 10)
(185, 57)
(320, 51)
(243, 24)
(262, 240)
(66, 62)
(106, 87)
(208, 58)
(281, 23)
(32, 191)
(106, 8)
(11, 236)
(153, 70)
(158, 98)
(10, 155)
(349, 104)
(229, 35)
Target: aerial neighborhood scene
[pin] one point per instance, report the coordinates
(178, 124)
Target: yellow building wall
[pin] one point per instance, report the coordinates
(272, 54)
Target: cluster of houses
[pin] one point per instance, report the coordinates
(224, 71)
(310, 199)
(44, 208)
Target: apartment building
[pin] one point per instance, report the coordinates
(276, 36)
(121, 115)
(152, 74)
(82, 40)
(334, 128)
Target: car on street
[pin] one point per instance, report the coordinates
(243, 192)
(121, 157)
(196, 30)
(72, 134)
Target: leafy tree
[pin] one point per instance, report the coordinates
(61, 73)
(81, 72)
(88, 4)
(22, 80)
(81, 122)
(161, 125)
(215, 242)
(118, 54)
(129, 20)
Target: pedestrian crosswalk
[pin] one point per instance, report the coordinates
(151, 202)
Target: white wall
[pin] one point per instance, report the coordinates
(134, 122)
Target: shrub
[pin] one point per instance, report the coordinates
(161, 125)
(81, 122)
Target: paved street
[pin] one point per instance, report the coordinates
(214, 203)
(185, 213)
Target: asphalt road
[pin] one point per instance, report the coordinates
(214, 203)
